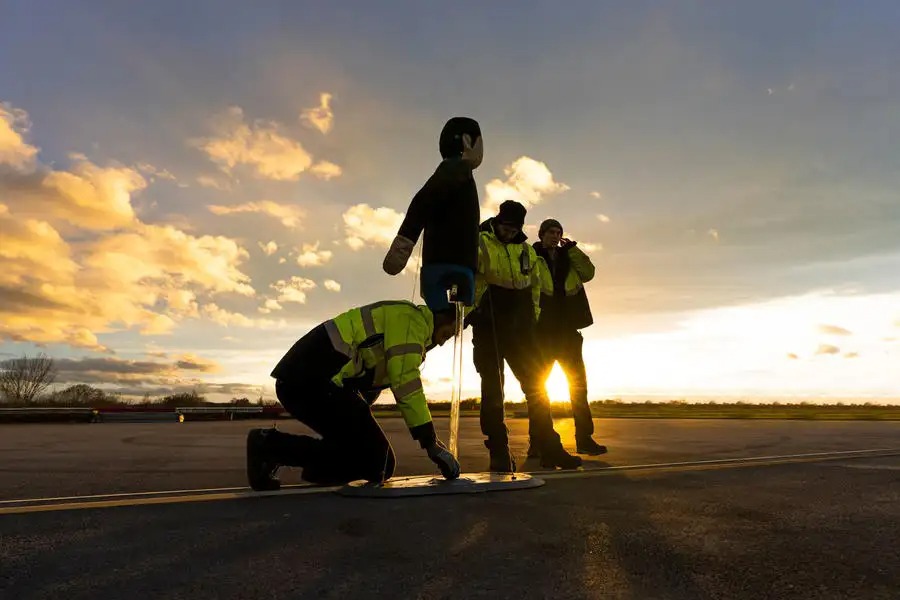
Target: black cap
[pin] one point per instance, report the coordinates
(512, 213)
(450, 143)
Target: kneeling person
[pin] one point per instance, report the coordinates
(328, 381)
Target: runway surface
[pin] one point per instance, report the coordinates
(677, 509)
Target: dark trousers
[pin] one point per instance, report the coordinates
(352, 444)
(565, 347)
(518, 348)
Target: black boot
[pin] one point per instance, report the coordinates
(588, 446)
(534, 450)
(261, 467)
(556, 456)
(501, 458)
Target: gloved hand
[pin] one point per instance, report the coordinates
(445, 461)
(566, 243)
(397, 256)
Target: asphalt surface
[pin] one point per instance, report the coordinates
(784, 528)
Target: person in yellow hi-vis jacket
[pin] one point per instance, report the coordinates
(328, 381)
(504, 322)
(565, 269)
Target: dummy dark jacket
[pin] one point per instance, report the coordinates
(561, 312)
(447, 209)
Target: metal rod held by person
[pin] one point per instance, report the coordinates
(457, 374)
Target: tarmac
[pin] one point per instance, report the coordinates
(676, 509)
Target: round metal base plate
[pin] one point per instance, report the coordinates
(429, 485)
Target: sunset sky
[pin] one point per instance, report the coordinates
(186, 188)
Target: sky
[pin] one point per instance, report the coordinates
(187, 188)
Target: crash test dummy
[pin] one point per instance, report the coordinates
(446, 209)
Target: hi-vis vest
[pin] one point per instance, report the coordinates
(385, 343)
(510, 266)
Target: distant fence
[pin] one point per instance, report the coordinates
(137, 414)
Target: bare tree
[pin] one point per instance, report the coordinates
(22, 379)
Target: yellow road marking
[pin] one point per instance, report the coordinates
(216, 494)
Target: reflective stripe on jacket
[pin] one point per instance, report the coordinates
(386, 344)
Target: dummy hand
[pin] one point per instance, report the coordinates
(396, 258)
(445, 461)
(566, 243)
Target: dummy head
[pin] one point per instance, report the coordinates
(461, 138)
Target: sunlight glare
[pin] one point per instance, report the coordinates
(557, 386)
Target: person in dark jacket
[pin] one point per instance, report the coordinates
(507, 305)
(447, 210)
(565, 310)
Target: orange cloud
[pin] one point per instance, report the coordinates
(290, 216)
(261, 145)
(76, 261)
(828, 349)
(834, 330)
(320, 117)
(527, 181)
(14, 152)
(326, 170)
(311, 256)
(364, 226)
(331, 285)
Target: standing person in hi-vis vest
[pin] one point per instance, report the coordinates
(504, 320)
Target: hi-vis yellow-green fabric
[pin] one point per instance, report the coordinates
(386, 342)
(581, 272)
(502, 265)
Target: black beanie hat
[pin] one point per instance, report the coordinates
(450, 143)
(512, 213)
(547, 224)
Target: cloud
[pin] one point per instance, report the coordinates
(211, 182)
(270, 248)
(192, 362)
(367, 226)
(851, 355)
(834, 330)
(153, 171)
(792, 356)
(527, 181)
(293, 289)
(828, 349)
(290, 216)
(320, 117)
(714, 234)
(226, 318)
(76, 261)
(111, 370)
(596, 195)
(603, 218)
(326, 170)
(86, 195)
(311, 256)
(589, 247)
(260, 145)
(271, 304)
(14, 151)
(331, 285)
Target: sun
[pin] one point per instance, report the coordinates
(557, 386)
